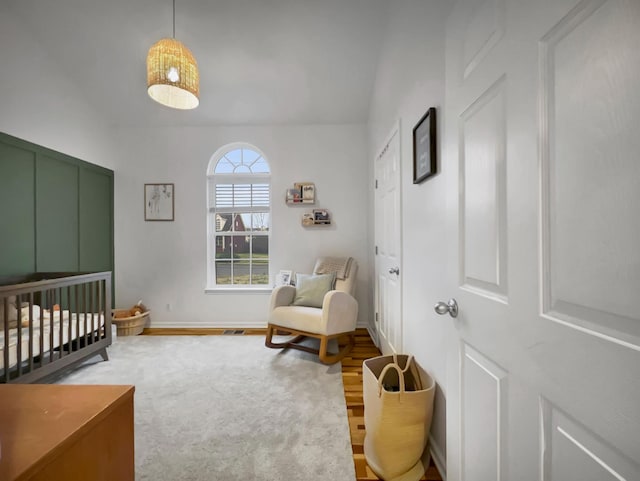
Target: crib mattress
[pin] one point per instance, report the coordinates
(76, 321)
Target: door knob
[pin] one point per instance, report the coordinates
(394, 270)
(451, 307)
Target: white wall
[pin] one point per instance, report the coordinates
(410, 79)
(165, 262)
(39, 103)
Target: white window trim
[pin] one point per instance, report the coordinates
(237, 290)
(225, 178)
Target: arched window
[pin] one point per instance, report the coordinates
(238, 218)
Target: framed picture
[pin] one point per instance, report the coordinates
(158, 202)
(307, 192)
(283, 278)
(424, 147)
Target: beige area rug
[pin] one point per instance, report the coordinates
(228, 408)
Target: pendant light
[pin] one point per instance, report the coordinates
(172, 73)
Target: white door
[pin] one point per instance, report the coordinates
(541, 154)
(388, 285)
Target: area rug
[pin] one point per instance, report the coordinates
(228, 408)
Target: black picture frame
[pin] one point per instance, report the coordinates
(424, 147)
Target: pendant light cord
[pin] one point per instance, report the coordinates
(174, 18)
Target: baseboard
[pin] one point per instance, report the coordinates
(438, 458)
(206, 325)
(199, 331)
(373, 335)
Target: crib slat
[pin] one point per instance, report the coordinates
(30, 331)
(60, 328)
(77, 306)
(41, 337)
(94, 334)
(70, 326)
(5, 308)
(18, 333)
(108, 306)
(51, 327)
(99, 309)
(78, 344)
(84, 309)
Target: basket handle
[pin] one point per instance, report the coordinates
(395, 365)
(383, 374)
(399, 370)
(412, 368)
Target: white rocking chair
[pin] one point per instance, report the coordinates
(336, 318)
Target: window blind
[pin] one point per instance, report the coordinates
(244, 197)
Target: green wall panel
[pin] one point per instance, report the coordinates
(18, 236)
(56, 211)
(96, 220)
(56, 215)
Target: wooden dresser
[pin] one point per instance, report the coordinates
(64, 432)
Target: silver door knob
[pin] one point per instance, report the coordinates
(394, 270)
(450, 307)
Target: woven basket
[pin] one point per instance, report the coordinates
(129, 326)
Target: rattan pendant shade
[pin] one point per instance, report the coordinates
(172, 75)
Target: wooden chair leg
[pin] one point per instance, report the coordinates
(267, 340)
(322, 352)
(329, 358)
(271, 330)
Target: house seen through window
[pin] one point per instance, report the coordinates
(238, 192)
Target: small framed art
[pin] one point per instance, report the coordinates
(159, 202)
(424, 147)
(283, 278)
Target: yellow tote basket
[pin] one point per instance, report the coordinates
(398, 408)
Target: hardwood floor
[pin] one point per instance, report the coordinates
(352, 380)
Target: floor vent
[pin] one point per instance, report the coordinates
(233, 332)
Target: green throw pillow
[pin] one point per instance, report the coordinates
(310, 289)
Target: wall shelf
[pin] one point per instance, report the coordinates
(302, 193)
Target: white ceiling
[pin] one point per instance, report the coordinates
(261, 61)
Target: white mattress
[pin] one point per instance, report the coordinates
(77, 330)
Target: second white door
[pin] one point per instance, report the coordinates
(388, 284)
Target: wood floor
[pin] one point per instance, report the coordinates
(352, 380)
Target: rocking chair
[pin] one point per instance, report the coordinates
(306, 311)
